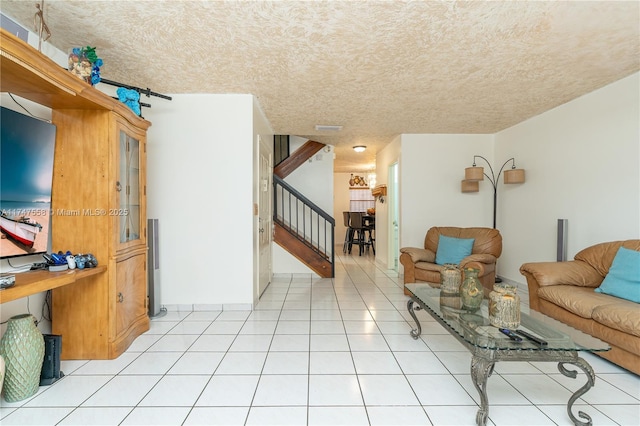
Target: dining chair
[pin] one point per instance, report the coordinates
(348, 235)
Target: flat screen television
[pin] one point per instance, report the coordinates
(26, 171)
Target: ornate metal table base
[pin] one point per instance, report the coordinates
(483, 361)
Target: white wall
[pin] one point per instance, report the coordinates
(582, 162)
(431, 168)
(314, 179)
(200, 186)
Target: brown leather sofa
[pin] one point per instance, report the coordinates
(419, 263)
(565, 291)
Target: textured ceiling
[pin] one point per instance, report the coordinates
(378, 68)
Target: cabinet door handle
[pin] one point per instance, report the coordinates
(120, 298)
(118, 186)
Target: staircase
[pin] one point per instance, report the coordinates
(302, 228)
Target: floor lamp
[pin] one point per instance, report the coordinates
(474, 174)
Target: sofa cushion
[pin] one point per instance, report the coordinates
(577, 300)
(622, 315)
(600, 256)
(453, 250)
(623, 279)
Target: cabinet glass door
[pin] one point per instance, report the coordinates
(129, 188)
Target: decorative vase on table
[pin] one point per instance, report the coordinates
(471, 290)
(504, 306)
(1, 372)
(22, 347)
(450, 278)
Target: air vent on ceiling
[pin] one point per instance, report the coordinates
(328, 128)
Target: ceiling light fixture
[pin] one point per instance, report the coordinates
(359, 148)
(328, 128)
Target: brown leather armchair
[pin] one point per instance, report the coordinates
(419, 263)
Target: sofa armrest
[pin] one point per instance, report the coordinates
(542, 274)
(419, 254)
(484, 263)
(573, 272)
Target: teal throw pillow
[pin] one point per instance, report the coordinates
(623, 279)
(453, 250)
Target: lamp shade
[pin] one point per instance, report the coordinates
(359, 148)
(514, 176)
(470, 186)
(474, 173)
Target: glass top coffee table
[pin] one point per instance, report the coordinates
(559, 342)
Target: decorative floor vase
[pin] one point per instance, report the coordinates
(1, 372)
(22, 347)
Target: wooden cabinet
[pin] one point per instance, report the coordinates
(98, 202)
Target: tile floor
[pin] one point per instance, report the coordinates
(317, 352)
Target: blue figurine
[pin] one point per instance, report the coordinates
(130, 98)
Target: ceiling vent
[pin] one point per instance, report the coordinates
(327, 128)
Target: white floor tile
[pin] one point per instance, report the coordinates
(212, 343)
(178, 391)
(338, 416)
(224, 327)
(539, 389)
(160, 416)
(251, 343)
(295, 315)
(259, 327)
(85, 416)
(286, 363)
(387, 390)
(161, 327)
(197, 363)
(123, 391)
(376, 363)
(334, 390)
(190, 327)
(629, 383)
(152, 363)
(203, 316)
(439, 389)
(504, 415)
(326, 315)
(627, 415)
(233, 316)
(367, 342)
(293, 327)
(70, 391)
(462, 415)
(173, 343)
(357, 315)
(331, 363)
(289, 343)
(281, 390)
(242, 363)
(361, 327)
(419, 363)
(112, 366)
(393, 416)
(558, 414)
(229, 391)
(398, 342)
(143, 342)
(277, 416)
(222, 416)
(36, 416)
(327, 327)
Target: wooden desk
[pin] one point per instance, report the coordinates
(32, 282)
